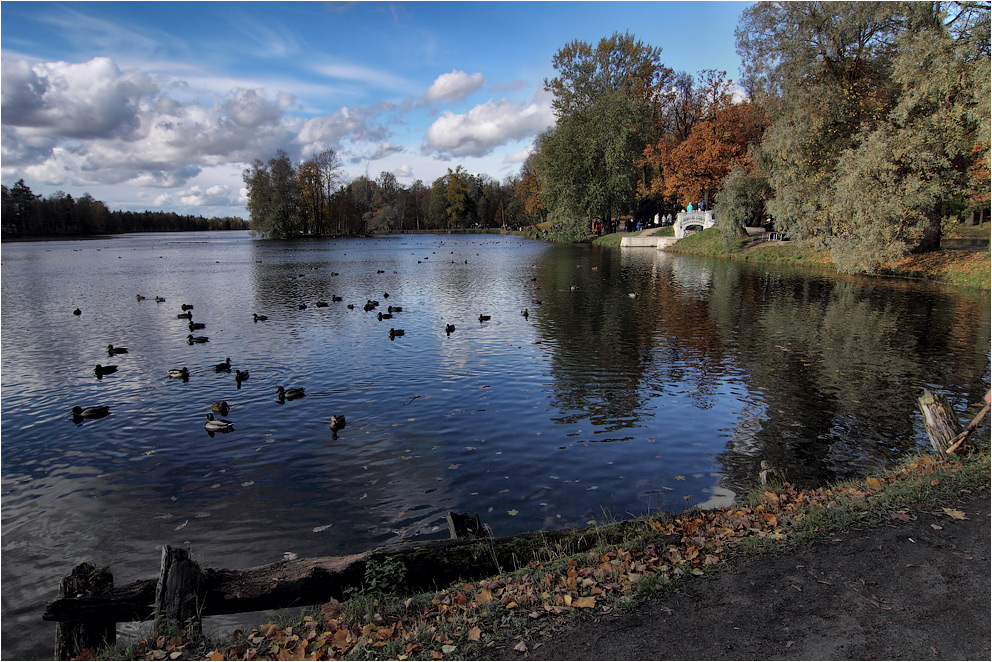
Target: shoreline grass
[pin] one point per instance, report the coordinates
(465, 620)
(962, 268)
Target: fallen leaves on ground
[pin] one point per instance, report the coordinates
(471, 614)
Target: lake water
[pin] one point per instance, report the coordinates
(597, 405)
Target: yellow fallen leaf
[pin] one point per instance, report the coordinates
(955, 514)
(474, 634)
(585, 603)
(873, 483)
(521, 647)
(680, 478)
(512, 513)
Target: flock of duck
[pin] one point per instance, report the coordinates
(221, 407)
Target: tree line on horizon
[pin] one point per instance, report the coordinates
(26, 214)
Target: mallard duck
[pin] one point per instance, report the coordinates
(159, 300)
(240, 376)
(289, 393)
(187, 306)
(394, 309)
(223, 367)
(525, 312)
(221, 407)
(395, 332)
(218, 424)
(185, 316)
(193, 326)
(485, 318)
(351, 306)
(192, 339)
(77, 311)
(302, 306)
(90, 412)
(139, 297)
(337, 423)
(634, 295)
(259, 318)
(335, 297)
(111, 350)
(387, 316)
(179, 373)
(449, 328)
(102, 370)
(322, 304)
(385, 295)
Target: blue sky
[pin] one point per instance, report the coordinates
(161, 105)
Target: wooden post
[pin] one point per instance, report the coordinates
(179, 594)
(461, 525)
(71, 637)
(939, 419)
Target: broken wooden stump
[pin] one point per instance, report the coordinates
(939, 420)
(179, 594)
(942, 423)
(88, 630)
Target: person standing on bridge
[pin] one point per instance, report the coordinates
(689, 208)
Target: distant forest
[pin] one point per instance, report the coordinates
(26, 215)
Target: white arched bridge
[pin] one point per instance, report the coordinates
(688, 222)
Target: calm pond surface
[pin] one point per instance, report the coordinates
(597, 405)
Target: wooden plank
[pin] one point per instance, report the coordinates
(939, 419)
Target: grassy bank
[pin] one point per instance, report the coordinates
(964, 268)
(630, 561)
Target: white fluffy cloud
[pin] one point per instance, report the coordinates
(454, 86)
(486, 127)
(214, 196)
(92, 99)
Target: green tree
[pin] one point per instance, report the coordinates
(741, 202)
(273, 197)
(602, 103)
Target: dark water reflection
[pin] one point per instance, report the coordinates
(596, 404)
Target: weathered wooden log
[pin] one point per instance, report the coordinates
(179, 593)
(90, 630)
(429, 564)
(939, 419)
(461, 525)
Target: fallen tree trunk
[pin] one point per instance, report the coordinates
(939, 419)
(428, 565)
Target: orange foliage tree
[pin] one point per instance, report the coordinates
(696, 167)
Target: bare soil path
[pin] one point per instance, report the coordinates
(915, 586)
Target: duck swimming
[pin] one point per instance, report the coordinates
(159, 300)
(187, 315)
(223, 367)
(240, 376)
(289, 393)
(337, 423)
(177, 373)
(485, 318)
(395, 332)
(449, 328)
(77, 311)
(217, 424)
(221, 407)
(89, 412)
(139, 297)
(192, 339)
(111, 350)
(258, 318)
(102, 370)
(196, 325)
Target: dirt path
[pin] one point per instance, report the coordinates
(916, 589)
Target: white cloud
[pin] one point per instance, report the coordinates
(454, 86)
(93, 99)
(486, 127)
(520, 156)
(363, 74)
(404, 171)
(384, 150)
(330, 130)
(250, 108)
(214, 196)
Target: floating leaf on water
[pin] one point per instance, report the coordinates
(289, 556)
(318, 529)
(680, 478)
(247, 483)
(453, 466)
(215, 486)
(512, 513)
(182, 526)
